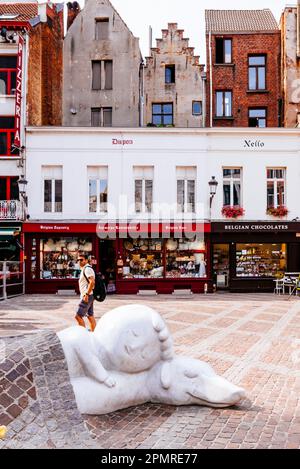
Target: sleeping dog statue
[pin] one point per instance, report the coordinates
(129, 360)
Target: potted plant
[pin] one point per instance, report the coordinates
(234, 211)
(278, 212)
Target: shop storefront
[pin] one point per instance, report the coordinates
(249, 256)
(51, 252)
(11, 242)
(131, 260)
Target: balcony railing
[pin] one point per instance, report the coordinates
(11, 210)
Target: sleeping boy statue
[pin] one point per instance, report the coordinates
(129, 360)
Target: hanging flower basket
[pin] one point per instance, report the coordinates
(279, 212)
(232, 212)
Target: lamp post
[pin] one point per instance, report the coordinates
(213, 184)
(22, 183)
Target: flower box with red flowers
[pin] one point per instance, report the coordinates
(232, 211)
(278, 212)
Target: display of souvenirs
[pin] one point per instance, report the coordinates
(143, 245)
(143, 266)
(171, 245)
(145, 258)
(58, 257)
(186, 260)
(185, 266)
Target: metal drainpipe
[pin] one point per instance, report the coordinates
(298, 29)
(142, 96)
(211, 84)
(203, 101)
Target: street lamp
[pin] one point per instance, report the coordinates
(22, 183)
(213, 184)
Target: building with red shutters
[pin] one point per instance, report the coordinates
(31, 43)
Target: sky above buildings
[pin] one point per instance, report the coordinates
(189, 14)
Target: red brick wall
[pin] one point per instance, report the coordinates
(235, 78)
(45, 69)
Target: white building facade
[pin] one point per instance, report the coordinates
(140, 202)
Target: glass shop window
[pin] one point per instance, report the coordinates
(58, 257)
(261, 260)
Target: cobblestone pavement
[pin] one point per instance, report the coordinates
(37, 402)
(254, 341)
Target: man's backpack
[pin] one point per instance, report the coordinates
(99, 289)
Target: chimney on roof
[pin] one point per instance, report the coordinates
(73, 11)
(42, 12)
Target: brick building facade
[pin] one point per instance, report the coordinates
(243, 69)
(45, 69)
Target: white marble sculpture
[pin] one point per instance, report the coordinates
(129, 360)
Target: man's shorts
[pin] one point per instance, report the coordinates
(86, 309)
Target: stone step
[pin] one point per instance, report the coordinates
(66, 292)
(182, 293)
(147, 293)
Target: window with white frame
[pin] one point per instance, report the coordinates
(276, 187)
(98, 188)
(101, 117)
(186, 188)
(232, 186)
(52, 187)
(223, 103)
(143, 188)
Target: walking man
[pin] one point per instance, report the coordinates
(86, 287)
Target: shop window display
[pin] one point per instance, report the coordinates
(58, 257)
(260, 260)
(185, 258)
(143, 258)
(163, 258)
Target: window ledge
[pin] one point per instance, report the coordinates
(224, 65)
(229, 118)
(9, 157)
(258, 91)
(7, 96)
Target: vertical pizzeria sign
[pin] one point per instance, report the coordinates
(17, 140)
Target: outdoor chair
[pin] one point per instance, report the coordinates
(296, 288)
(279, 286)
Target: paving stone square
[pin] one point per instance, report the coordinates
(253, 340)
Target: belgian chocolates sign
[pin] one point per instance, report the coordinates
(255, 227)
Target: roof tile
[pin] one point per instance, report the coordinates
(222, 21)
(25, 11)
